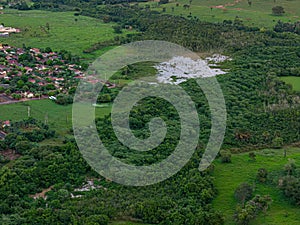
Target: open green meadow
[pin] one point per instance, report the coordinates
(229, 176)
(294, 81)
(59, 116)
(64, 32)
(258, 14)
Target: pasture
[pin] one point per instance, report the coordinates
(258, 14)
(229, 176)
(66, 31)
(59, 116)
(294, 81)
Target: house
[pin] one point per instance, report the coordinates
(6, 123)
(2, 135)
(28, 69)
(3, 74)
(35, 50)
(4, 85)
(32, 80)
(41, 84)
(79, 77)
(5, 34)
(28, 95)
(8, 29)
(59, 79)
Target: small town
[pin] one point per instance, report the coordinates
(34, 73)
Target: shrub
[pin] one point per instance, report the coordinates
(23, 146)
(243, 193)
(277, 142)
(97, 219)
(278, 10)
(63, 99)
(252, 156)
(262, 175)
(290, 167)
(243, 215)
(225, 156)
(291, 186)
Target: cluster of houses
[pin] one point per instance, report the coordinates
(33, 73)
(42, 70)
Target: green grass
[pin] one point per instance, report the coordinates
(59, 117)
(229, 176)
(259, 14)
(294, 81)
(65, 32)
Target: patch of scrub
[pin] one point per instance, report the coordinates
(179, 69)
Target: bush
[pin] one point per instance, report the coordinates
(278, 10)
(225, 156)
(117, 29)
(290, 167)
(277, 142)
(62, 99)
(97, 220)
(252, 156)
(243, 193)
(262, 175)
(23, 146)
(243, 215)
(291, 186)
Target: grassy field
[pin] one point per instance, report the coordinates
(229, 176)
(259, 14)
(59, 117)
(294, 81)
(64, 33)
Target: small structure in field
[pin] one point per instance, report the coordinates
(5, 31)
